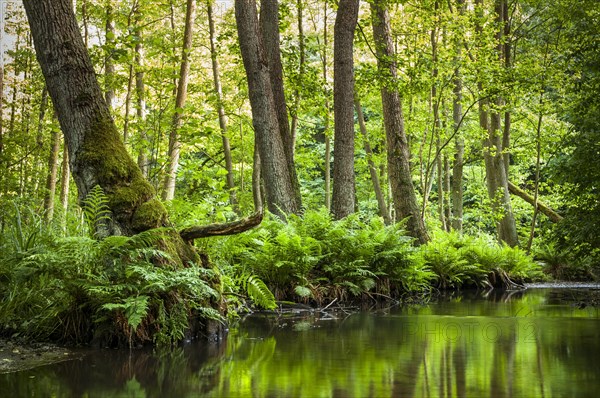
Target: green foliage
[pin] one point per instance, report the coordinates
(462, 260)
(117, 290)
(96, 211)
(259, 292)
(314, 257)
(24, 236)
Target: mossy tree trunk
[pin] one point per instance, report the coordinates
(96, 153)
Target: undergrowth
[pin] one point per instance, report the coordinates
(112, 291)
(316, 259)
(130, 290)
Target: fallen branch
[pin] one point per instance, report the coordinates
(542, 207)
(229, 228)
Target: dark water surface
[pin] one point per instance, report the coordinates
(536, 343)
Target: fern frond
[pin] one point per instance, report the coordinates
(260, 293)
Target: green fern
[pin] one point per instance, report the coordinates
(135, 309)
(259, 292)
(96, 211)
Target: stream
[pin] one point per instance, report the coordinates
(538, 342)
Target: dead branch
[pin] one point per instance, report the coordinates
(542, 207)
(229, 228)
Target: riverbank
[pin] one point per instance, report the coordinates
(16, 357)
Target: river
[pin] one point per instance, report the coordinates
(540, 342)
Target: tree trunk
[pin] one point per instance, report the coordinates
(269, 27)
(302, 61)
(51, 178)
(184, 72)
(109, 67)
(279, 188)
(65, 181)
(447, 191)
(1, 124)
(383, 210)
(459, 143)
(140, 92)
(221, 109)
(96, 152)
(343, 108)
(398, 155)
(327, 114)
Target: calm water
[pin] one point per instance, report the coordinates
(525, 344)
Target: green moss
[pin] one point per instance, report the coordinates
(106, 160)
(178, 249)
(151, 214)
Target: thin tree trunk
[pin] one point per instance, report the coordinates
(51, 178)
(302, 55)
(436, 129)
(327, 114)
(383, 210)
(343, 107)
(279, 187)
(128, 104)
(109, 67)
(496, 176)
(257, 187)
(140, 92)
(269, 27)
(1, 111)
(506, 58)
(405, 200)
(184, 73)
(221, 109)
(327, 170)
(64, 185)
(447, 193)
(459, 143)
(440, 186)
(84, 20)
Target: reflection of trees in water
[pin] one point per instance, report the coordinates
(540, 350)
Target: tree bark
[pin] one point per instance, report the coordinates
(383, 209)
(221, 109)
(109, 67)
(302, 61)
(279, 188)
(343, 108)
(496, 175)
(398, 155)
(51, 178)
(182, 84)
(230, 228)
(269, 27)
(542, 207)
(140, 92)
(327, 114)
(96, 152)
(65, 181)
(459, 143)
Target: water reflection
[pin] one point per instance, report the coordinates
(503, 344)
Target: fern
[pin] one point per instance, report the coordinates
(259, 292)
(135, 309)
(96, 212)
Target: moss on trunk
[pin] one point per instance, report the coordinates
(105, 161)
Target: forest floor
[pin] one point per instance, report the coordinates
(15, 357)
